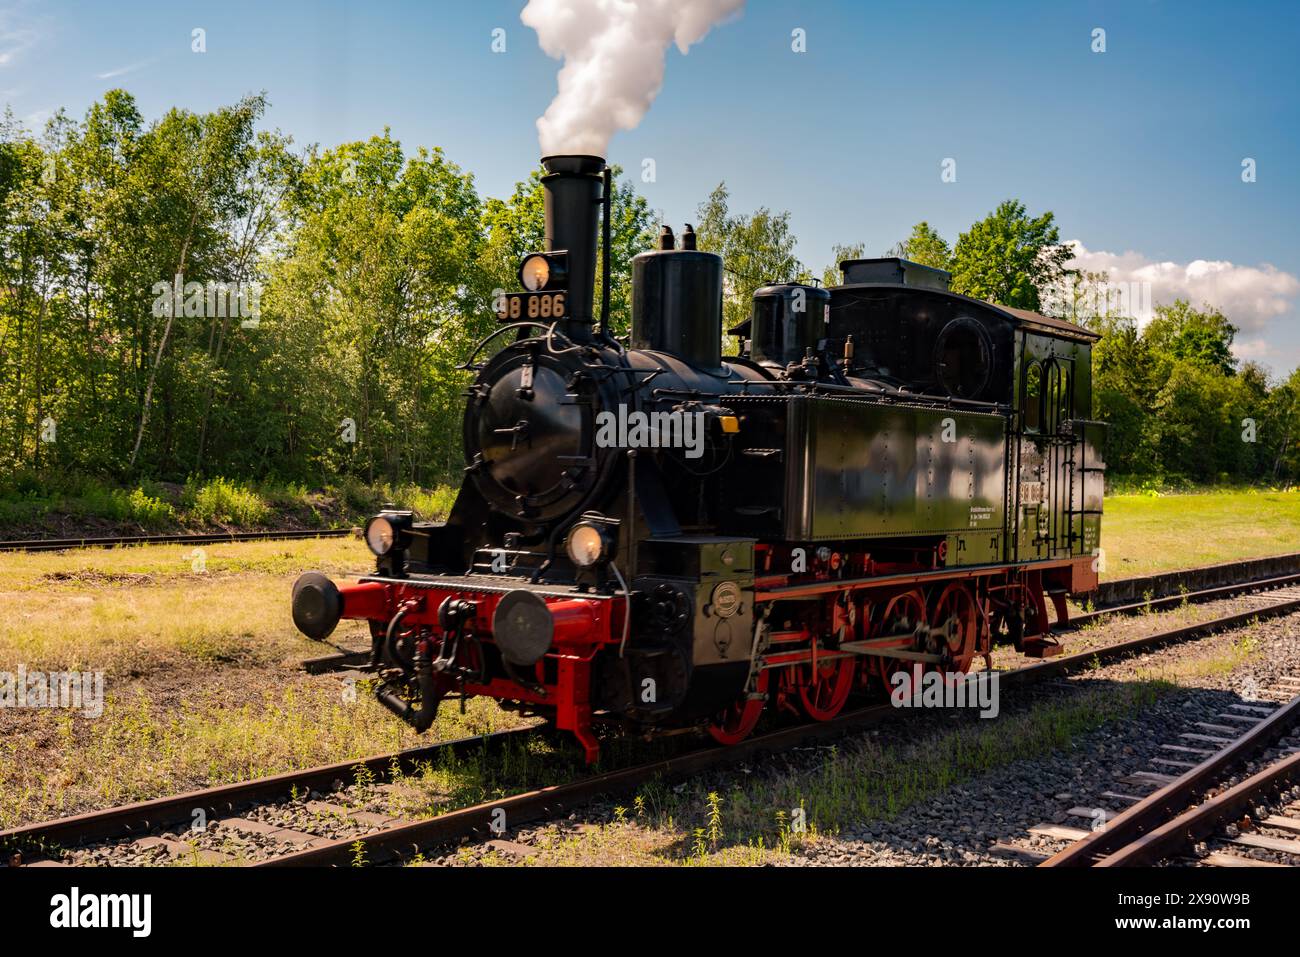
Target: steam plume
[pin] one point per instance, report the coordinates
(613, 53)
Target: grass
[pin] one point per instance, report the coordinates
(201, 673)
(1149, 533)
(47, 505)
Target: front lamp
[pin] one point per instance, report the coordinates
(586, 544)
(535, 272)
(380, 535)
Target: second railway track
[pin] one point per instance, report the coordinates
(195, 538)
(1206, 800)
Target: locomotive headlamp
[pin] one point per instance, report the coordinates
(544, 271)
(535, 272)
(586, 544)
(380, 535)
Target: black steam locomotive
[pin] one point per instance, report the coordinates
(887, 476)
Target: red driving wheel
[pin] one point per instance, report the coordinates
(737, 721)
(902, 613)
(825, 686)
(954, 612)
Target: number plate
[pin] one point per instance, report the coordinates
(536, 306)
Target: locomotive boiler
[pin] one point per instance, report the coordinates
(650, 535)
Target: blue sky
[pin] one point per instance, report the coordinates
(1137, 150)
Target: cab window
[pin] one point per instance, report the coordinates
(1031, 397)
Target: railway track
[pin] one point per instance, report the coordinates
(387, 839)
(1214, 593)
(1207, 801)
(198, 538)
(33, 845)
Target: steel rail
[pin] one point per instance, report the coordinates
(1200, 595)
(1123, 840)
(196, 538)
(1200, 821)
(143, 816)
(410, 838)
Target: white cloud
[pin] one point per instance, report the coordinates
(15, 38)
(122, 70)
(1249, 296)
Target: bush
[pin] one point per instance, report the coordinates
(222, 501)
(430, 505)
(149, 510)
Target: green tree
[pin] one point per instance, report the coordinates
(1009, 257)
(756, 248)
(831, 275)
(381, 285)
(1201, 336)
(927, 247)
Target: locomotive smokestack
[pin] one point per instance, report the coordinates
(573, 190)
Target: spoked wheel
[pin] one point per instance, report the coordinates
(900, 614)
(823, 689)
(955, 615)
(737, 721)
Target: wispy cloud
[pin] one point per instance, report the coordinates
(1249, 296)
(15, 38)
(122, 70)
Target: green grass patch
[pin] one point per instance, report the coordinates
(1154, 532)
(55, 505)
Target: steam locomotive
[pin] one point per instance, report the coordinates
(887, 476)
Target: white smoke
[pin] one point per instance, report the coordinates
(613, 53)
